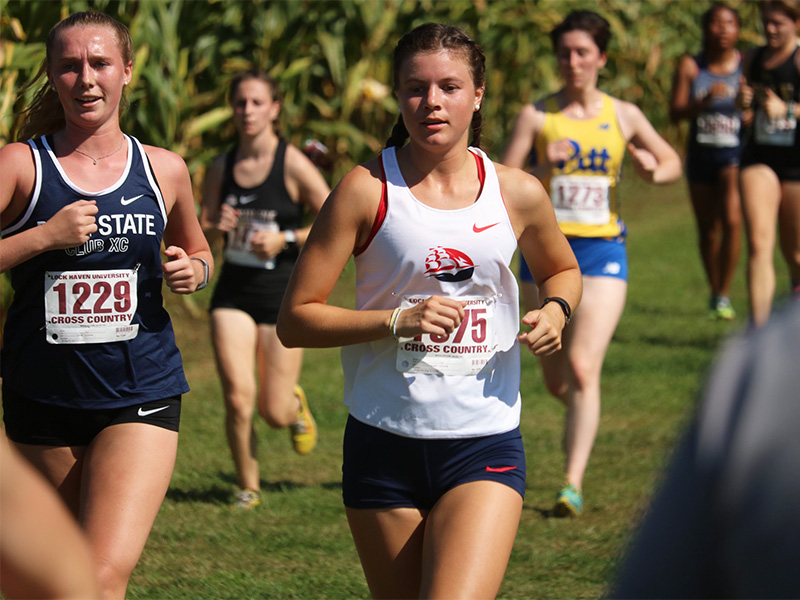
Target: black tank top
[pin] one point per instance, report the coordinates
(784, 80)
(246, 278)
(264, 206)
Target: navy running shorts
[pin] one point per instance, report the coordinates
(704, 168)
(31, 422)
(597, 257)
(384, 470)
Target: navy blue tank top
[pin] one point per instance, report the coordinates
(87, 327)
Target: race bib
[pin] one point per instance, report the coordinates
(464, 352)
(90, 307)
(239, 250)
(775, 132)
(581, 199)
(718, 130)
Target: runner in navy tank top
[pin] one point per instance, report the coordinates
(99, 330)
(255, 197)
(92, 378)
(704, 92)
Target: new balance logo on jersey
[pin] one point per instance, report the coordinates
(448, 264)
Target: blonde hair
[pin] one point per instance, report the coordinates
(45, 115)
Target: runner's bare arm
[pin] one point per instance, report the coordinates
(654, 160)
(70, 226)
(183, 236)
(343, 225)
(548, 254)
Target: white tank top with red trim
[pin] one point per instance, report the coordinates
(464, 385)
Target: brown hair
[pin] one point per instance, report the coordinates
(791, 8)
(584, 20)
(45, 115)
(262, 76)
(431, 37)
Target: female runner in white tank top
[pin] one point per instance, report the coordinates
(431, 357)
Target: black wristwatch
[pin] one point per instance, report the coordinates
(563, 304)
(291, 239)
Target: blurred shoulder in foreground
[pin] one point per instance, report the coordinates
(725, 522)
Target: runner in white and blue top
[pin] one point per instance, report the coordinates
(434, 468)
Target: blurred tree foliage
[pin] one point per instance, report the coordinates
(332, 59)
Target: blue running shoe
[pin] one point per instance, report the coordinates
(569, 502)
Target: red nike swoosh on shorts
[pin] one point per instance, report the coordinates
(477, 229)
(499, 469)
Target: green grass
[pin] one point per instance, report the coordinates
(297, 545)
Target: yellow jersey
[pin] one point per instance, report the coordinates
(583, 189)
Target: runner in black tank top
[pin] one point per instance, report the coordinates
(770, 168)
(255, 197)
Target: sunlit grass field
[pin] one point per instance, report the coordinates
(297, 545)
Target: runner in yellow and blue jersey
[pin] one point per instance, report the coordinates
(579, 136)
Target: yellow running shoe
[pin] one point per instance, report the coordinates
(246, 500)
(304, 430)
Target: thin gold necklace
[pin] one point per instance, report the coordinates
(94, 160)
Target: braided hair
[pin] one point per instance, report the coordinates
(432, 37)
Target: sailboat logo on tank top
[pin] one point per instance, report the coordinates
(448, 264)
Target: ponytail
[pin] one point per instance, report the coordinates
(45, 115)
(399, 134)
(476, 127)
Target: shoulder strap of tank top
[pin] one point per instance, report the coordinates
(227, 173)
(383, 205)
(279, 162)
(700, 60)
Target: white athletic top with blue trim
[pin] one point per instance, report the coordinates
(464, 385)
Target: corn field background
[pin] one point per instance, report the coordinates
(332, 60)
